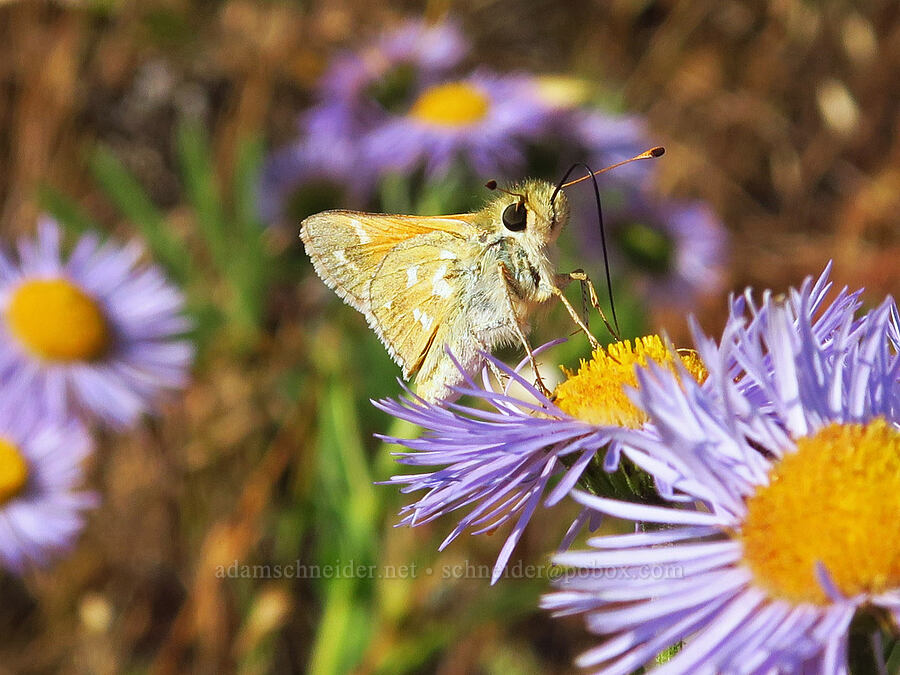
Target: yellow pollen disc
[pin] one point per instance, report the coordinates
(596, 393)
(455, 104)
(56, 320)
(836, 502)
(13, 471)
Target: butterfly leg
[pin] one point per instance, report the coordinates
(588, 286)
(504, 275)
(577, 319)
(498, 374)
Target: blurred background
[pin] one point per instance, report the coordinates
(208, 130)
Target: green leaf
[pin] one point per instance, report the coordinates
(452, 193)
(123, 190)
(395, 194)
(202, 191)
(353, 509)
(248, 166)
(65, 210)
(893, 662)
(253, 268)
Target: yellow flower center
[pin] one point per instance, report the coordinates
(835, 502)
(56, 320)
(455, 104)
(596, 394)
(13, 471)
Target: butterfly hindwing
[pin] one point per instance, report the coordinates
(413, 295)
(348, 247)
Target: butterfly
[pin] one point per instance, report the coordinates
(465, 283)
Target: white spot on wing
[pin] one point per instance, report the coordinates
(447, 255)
(340, 256)
(422, 318)
(439, 284)
(388, 304)
(412, 275)
(364, 237)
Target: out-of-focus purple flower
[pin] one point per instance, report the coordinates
(95, 334)
(672, 252)
(41, 507)
(358, 93)
(413, 55)
(778, 532)
(362, 89)
(327, 153)
(581, 132)
(482, 121)
(606, 138)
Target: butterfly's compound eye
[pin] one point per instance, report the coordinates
(515, 216)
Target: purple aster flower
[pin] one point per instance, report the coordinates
(894, 328)
(357, 94)
(482, 121)
(41, 509)
(325, 160)
(749, 321)
(500, 461)
(505, 461)
(674, 252)
(783, 522)
(95, 334)
(412, 55)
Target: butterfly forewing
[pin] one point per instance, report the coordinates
(413, 295)
(348, 247)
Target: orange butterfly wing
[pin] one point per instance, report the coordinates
(414, 295)
(348, 247)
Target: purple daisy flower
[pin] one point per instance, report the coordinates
(588, 134)
(482, 120)
(95, 334)
(327, 154)
(748, 322)
(501, 461)
(356, 95)
(894, 329)
(674, 251)
(41, 509)
(783, 521)
(414, 54)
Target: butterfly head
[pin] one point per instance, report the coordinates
(525, 213)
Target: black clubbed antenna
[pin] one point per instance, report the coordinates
(658, 151)
(593, 176)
